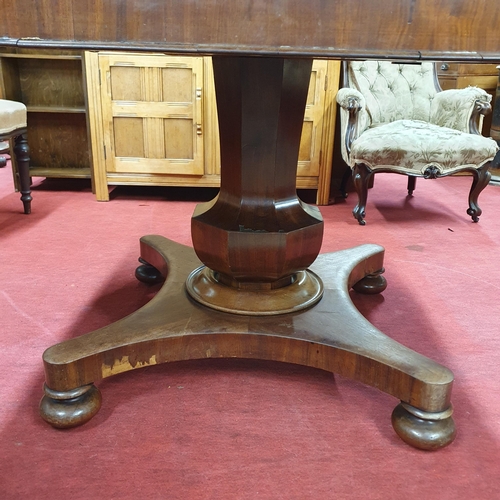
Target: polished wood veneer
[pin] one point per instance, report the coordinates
(449, 29)
(256, 235)
(331, 336)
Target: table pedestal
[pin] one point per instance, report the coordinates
(253, 286)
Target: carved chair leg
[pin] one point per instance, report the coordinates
(343, 183)
(361, 175)
(481, 178)
(4, 149)
(411, 184)
(22, 152)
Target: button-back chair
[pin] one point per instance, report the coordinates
(396, 118)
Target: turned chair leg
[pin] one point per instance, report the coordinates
(481, 178)
(411, 184)
(4, 148)
(361, 175)
(22, 153)
(343, 183)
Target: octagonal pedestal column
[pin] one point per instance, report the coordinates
(256, 236)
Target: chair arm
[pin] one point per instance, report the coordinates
(353, 116)
(460, 109)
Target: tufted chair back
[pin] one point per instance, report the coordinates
(394, 91)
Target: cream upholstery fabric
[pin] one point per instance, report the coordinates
(452, 108)
(389, 96)
(414, 145)
(394, 91)
(12, 116)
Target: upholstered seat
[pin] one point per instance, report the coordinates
(13, 126)
(395, 118)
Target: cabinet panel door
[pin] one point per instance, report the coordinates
(152, 113)
(312, 130)
(310, 144)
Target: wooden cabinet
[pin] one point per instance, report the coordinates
(153, 121)
(50, 83)
(459, 76)
(485, 76)
(144, 119)
(147, 112)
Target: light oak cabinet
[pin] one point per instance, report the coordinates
(151, 113)
(153, 121)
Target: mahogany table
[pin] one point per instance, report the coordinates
(254, 286)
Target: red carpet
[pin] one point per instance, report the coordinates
(230, 429)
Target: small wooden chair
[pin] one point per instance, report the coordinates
(13, 128)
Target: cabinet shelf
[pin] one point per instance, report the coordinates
(51, 85)
(55, 109)
(15, 55)
(62, 173)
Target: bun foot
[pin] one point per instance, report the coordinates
(371, 284)
(148, 274)
(70, 408)
(423, 430)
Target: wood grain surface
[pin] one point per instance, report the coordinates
(448, 29)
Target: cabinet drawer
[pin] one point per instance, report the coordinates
(458, 70)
